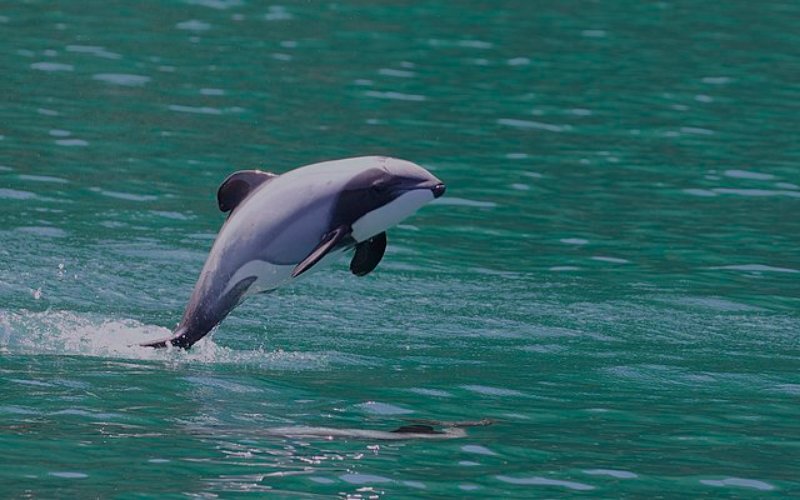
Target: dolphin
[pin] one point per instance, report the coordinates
(417, 430)
(281, 226)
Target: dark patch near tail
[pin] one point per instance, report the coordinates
(197, 327)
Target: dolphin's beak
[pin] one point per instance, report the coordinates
(438, 190)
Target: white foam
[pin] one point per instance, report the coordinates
(80, 334)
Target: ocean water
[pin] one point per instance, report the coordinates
(611, 283)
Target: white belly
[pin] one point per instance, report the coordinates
(271, 276)
(383, 218)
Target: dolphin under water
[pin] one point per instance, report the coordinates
(414, 430)
(281, 226)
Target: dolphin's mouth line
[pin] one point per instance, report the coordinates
(437, 189)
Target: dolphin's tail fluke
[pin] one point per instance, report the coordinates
(181, 337)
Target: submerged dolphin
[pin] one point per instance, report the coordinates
(280, 226)
(422, 429)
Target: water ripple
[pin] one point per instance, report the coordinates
(748, 174)
(124, 196)
(72, 142)
(618, 474)
(478, 449)
(742, 483)
(757, 268)
(543, 481)
(379, 408)
(52, 66)
(43, 178)
(397, 73)
(193, 25)
(395, 96)
(534, 125)
(123, 79)
(756, 192)
(15, 194)
(492, 391)
(93, 50)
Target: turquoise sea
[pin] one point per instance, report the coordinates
(612, 280)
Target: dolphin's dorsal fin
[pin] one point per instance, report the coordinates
(416, 429)
(368, 254)
(238, 185)
(329, 242)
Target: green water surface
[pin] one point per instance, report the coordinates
(613, 277)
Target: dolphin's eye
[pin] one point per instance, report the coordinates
(379, 187)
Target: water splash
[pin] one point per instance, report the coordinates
(82, 334)
(64, 332)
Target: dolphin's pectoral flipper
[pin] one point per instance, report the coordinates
(329, 242)
(238, 185)
(368, 254)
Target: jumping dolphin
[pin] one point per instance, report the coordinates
(280, 226)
